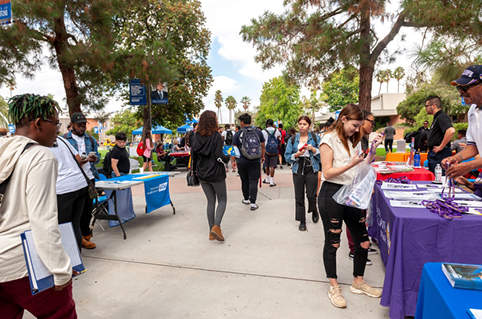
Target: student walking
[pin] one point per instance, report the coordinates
(338, 161)
(149, 146)
(208, 159)
(302, 151)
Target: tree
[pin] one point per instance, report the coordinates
(231, 105)
(387, 75)
(398, 74)
(312, 38)
(166, 41)
(79, 38)
(415, 101)
(246, 102)
(125, 121)
(341, 88)
(279, 101)
(218, 102)
(3, 113)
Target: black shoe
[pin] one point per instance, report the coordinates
(351, 256)
(302, 226)
(372, 251)
(315, 217)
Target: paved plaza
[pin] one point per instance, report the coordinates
(266, 268)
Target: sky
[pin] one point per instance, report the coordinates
(232, 61)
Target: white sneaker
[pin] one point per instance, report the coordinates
(336, 297)
(246, 201)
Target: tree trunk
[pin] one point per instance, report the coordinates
(68, 73)
(387, 87)
(367, 66)
(398, 86)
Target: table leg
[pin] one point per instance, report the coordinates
(118, 218)
(173, 208)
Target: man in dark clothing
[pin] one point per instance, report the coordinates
(120, 159)
(424, 127)
(249, 170)
(440, 133)
(388, 134)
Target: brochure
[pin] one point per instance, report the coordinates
(463, 276)
(386, 185)
(417, 196)
(406, 203)
(475, 313)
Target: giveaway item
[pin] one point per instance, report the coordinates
(463, 276)
(191, 177)
(359, 193)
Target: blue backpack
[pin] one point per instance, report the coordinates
(272, 144)
(250, 143)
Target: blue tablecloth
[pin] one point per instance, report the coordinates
(438, 299)
(156, 193)
(410, 237)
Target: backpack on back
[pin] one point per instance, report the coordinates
(272, 144)
(107, 164)
(229, 138)
(140, 149)
(250, 143)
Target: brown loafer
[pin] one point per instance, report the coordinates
(88, 237)
(216, 232)
(211, 237)
(87, 244)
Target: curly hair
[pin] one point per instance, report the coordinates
(27, 107)
(208, 124)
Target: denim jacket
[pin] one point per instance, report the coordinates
(292, 148)
(88, 148)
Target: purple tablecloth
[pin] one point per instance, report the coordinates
(409, 238)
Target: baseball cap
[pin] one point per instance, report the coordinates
(78, 118)
(269, 122)
(470, 75)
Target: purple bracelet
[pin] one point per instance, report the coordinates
(447, 209)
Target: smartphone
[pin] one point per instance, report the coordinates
(303, 147)
(92, 154)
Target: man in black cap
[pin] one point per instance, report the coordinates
(87, 146)
(470, 90)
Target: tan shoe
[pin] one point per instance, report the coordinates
(366, 289)
(216, 232)
(336, 297)
(88, 237)
(87, 244)
(211, 237)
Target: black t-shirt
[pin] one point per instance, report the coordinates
(123, 164)
(237, 142)
(441, 123)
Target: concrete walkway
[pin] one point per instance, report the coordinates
(266, 268)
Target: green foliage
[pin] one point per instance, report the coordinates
(3, 113)
(94, 135)
(246, 102)
(279, 101)
(398, 74)
(125, 121)
(231, 105)
(415, 101)
(460, 126)
(341, 88)
(32, 106)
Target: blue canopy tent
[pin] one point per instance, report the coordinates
(184, 129)
(155, 130)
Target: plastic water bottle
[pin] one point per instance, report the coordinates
(416, 159)
(438, 173)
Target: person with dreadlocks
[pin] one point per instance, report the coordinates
(29, 171)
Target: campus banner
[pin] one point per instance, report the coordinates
(157, 192)
(137, 92)
(160, 95)
(5, 12)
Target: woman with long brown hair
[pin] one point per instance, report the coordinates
(339, 159)
(148, 146)
(208, 160)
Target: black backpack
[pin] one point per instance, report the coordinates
(107, 164)
(229, 138)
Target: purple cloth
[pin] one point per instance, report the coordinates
(410, 237)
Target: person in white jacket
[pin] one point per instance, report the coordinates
(30, 203)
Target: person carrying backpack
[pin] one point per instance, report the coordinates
(250, 143)
(272, 137)
(227, 136)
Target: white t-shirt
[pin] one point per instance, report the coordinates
(474, 131)
(340, 158)
(69, 178)
(270, 129)
(82, 149)
(306, 154)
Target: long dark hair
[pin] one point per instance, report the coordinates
(306, 118)
(147, 135)
(351, 112)
(208, 124)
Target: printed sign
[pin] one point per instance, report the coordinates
(11, 128)
(5, 12)
(137, 92)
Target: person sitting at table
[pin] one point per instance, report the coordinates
(339, 159)
(175, 146)
(460, 142)
(120, 159)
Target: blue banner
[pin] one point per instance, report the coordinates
(157, 192)
(5, 13)
(137, 92)
(230, 150)
(11, 128)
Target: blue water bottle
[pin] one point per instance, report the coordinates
(416, 159)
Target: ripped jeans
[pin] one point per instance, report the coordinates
(332, 215)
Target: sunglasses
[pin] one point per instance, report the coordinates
(57, 124)
(465, 88)
(371, 121)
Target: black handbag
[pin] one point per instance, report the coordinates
(191, 177)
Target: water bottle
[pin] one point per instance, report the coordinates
(438, 173)
(416, 159)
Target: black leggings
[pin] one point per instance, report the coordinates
(305, 178)
(332, 215)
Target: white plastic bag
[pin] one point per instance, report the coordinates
(359, 193)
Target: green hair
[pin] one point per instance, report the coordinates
(27, 107)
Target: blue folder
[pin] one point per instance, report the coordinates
(40, 278)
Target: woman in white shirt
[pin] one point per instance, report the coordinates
(339, 159)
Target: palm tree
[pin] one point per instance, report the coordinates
(380, 78)
(398, 74)
(218, 102)
(231, 105)
(3, 113)
(246, 102)
(387, 76)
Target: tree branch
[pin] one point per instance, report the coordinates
(388, 38)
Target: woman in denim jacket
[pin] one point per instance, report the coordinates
(302, 151)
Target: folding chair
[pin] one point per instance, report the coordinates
(100, 206)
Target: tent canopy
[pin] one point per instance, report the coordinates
(184, 129)
(155, 130)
